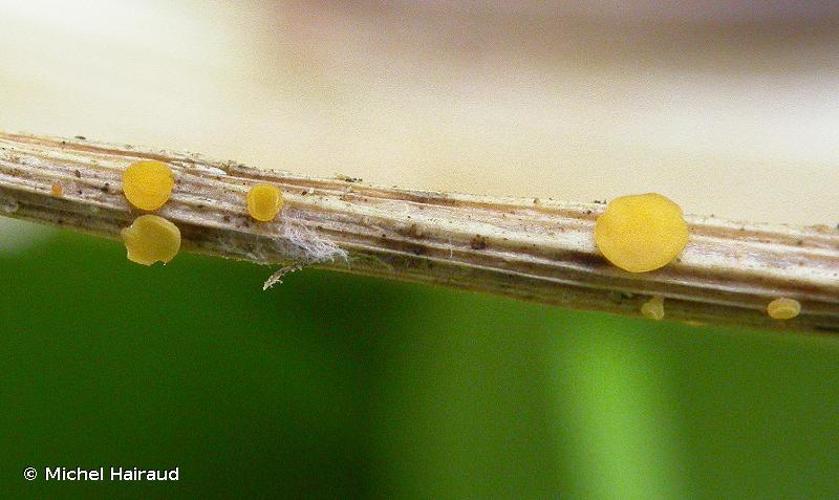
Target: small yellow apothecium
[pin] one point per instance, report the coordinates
(641, 233)
(148, 184)
(783, 308)
(151, 239)
(264, 202)
(653, 308)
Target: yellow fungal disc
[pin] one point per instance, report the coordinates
(264, 202)
(641, 233)
(151, 239)
(783, 308)
(57, 189)
(148, 184)
(653, 308)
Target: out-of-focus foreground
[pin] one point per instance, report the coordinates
(731, 108)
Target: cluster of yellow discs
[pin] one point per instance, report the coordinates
(638, 233)
(645, 232)
(148, 185)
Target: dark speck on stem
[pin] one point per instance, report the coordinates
(478, 242)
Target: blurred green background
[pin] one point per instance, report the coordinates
(336, 386)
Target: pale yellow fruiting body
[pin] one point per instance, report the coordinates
(264, 202)
(57, 189)
(783, 308)
(148, 184)
(641, 233)
(653, 308)
(151, 239)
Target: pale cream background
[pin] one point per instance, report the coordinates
(730, 110)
